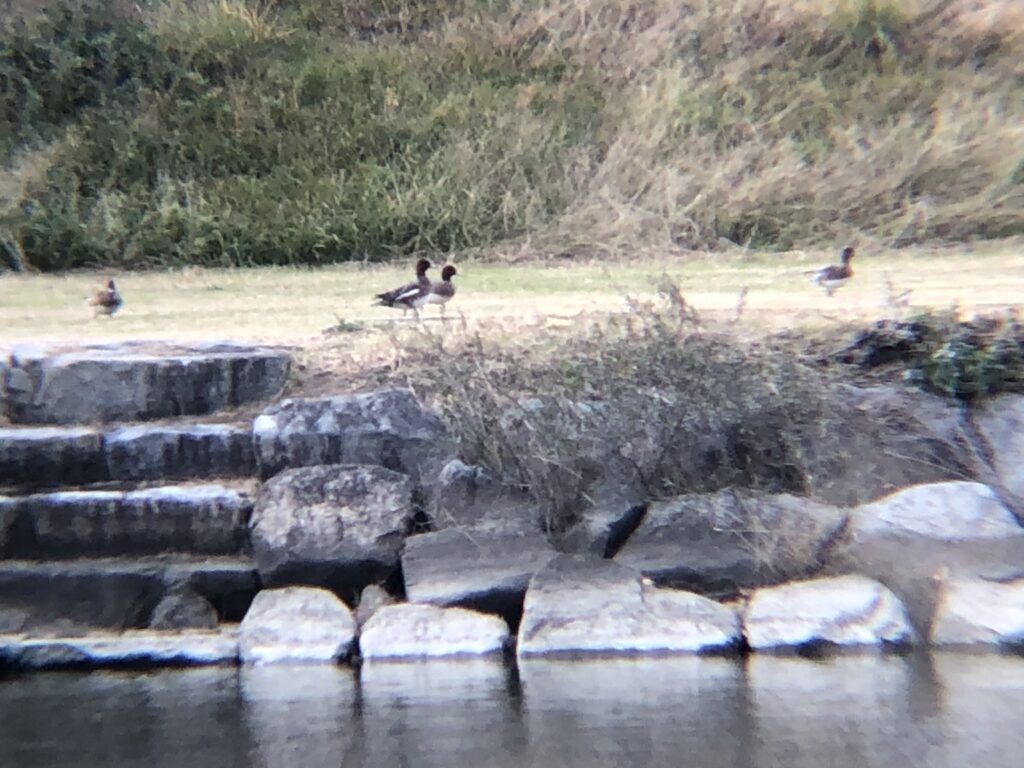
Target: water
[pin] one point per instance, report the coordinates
(938, 710)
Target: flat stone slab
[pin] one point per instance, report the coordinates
(844, 611)
(390, 428)
(127, 649)
(581, 605)
(200, 519)
(76, 596)
(976, 612)
(951, 511)
(46, 457)
(136, 381)
(296, 625)
(480, 569)
(409, 631)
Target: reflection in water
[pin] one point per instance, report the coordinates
(850, 711)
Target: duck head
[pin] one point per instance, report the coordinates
(847, 254)
(448, 272)
(422, 266)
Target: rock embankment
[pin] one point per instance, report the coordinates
(369, 538)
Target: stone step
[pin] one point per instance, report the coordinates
(76, 596)
(135, 381)
(196, 519)
(33, 458)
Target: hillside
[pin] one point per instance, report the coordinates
(237, 132)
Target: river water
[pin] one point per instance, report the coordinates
(852, 711)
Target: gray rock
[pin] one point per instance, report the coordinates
(371, 599)
(389, 428)
(183, 609)
(8, 516)
(976, 612)
(847, 610)
(953, 511)
(467, 496)
(477, 569)
(296, 624)
(129, 649)
(195, 451)
(202, 519)
(39, 457)
(585, 605)
(1000, 423)
(340, 526)
(412, 631)
(138, 381)
(719, 543)
(77, 596)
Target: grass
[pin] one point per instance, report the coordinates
(284, 132)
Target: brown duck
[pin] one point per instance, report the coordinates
(107, 301)
(834, 276)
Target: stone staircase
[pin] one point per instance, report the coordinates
(126, 483)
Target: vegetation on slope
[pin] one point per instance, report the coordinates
(238, 132)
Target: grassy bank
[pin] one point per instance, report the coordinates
(234, 132)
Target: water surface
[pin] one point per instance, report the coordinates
(854, 711)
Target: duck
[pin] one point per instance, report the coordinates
(834, 276)
(410, 296)
(107, 301)
(442, 291)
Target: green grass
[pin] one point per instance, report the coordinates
(253, 133)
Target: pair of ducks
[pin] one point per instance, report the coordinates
(421, 292)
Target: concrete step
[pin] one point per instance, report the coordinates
(76, 596)
(135, 381)
(196, 519)
(33, 458)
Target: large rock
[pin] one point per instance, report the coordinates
(847, 610)
(411, 631)
(974, 611)
(953, 511)
(296, 624)
(1000, 423)
(202, 519)
(467, 496)
(137, 381)
(340, 525)
(718, 543)
(135, 649)
(183, 608)
(75, 596)
(39, 457)
(389, 428)
(478, 569)
(581, 605)
(158, 452)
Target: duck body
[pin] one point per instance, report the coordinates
(834, 276)
(108, 301)
(410, 296)
(442, 291)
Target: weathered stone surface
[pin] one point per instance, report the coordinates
(410, 631)
(202, 519)
(138, 648)
(40, 457)
(580, 605)
(8, 516)
(953, 511)
(467, 496)
(847, 610)
(972, 611)
(138, 381)
(339, 525)
(371, 600)
(1000, 423)
(477, 569)
(296, 624)
(76, 596)
(199, 451)
(183, 608)
(617, 504)
(389, 428)
(718, 543)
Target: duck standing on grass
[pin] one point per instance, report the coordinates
(835, 276)
(411, 296)
(106, 301)
(442, 291)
